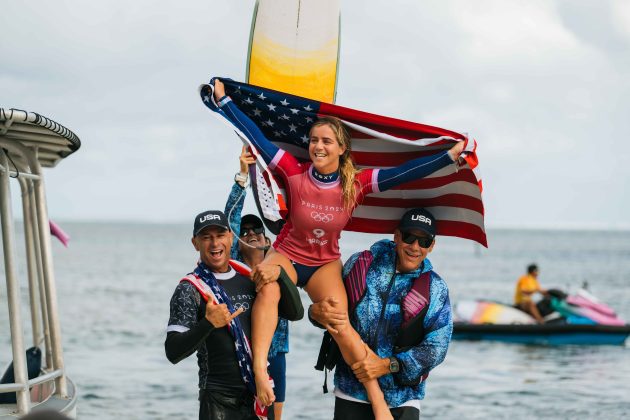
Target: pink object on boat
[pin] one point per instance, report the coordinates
(586, 303)
(592, 314)
(59, 233)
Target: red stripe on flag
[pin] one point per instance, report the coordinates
(462, 230)
(444, 228)
(471, 160)
(399, 128)
(464, 175)
(446, 200)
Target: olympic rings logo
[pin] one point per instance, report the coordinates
(322, 217)
(239, 305)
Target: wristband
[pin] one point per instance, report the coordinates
(240, 178)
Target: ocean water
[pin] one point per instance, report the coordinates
(115, 280)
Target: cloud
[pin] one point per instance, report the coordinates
(541, 85)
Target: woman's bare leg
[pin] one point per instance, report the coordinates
(327, 282)
(277, 410)
(264, 322)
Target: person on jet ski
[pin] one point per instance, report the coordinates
(526, 286)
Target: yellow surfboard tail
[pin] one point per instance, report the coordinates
(294, 47)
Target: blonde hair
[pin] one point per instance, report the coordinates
(347, 170)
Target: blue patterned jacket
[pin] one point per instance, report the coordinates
(405, 385)
(233, 210)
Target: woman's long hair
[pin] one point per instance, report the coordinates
(347, 170)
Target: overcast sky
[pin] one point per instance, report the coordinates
(543, 86)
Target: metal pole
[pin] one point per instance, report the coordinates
(13, 291)
(40, 280)
(30, 155)
(31, 265)
(49, 277)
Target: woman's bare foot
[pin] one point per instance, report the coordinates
(264, 390)
(455, 151)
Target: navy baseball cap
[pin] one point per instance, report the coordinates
(419, 219)
(252, 219)
(210, 218)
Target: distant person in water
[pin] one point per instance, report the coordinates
(526, 287)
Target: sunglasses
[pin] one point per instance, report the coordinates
(257, 230)
(423, 241)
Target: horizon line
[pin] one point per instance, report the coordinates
(498, 226)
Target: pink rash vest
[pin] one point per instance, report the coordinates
(311, 234)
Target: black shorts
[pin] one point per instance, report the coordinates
(227, 404)
(345, 409)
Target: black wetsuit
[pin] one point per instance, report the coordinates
(223, 393)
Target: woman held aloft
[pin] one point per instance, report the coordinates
(322, 196)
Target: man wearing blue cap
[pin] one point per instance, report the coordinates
(210, 313)
(400, 308)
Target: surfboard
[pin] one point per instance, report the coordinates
(294, 47)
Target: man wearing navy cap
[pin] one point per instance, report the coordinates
(210, 313)
(400, 308)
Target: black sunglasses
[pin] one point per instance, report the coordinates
(256, 230)
(423, 241)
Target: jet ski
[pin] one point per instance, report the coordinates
(579, 318)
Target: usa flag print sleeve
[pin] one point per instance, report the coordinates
(414, 169)
(266, 149)
(233, 210)
(438, 325)
(184, 332)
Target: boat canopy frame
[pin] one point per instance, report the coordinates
(29, 142)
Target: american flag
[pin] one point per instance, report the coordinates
(452, 194)
(214, 294)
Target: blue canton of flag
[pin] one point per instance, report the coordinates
(283, 118)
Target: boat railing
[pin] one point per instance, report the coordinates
(22, 153)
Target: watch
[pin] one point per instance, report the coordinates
(240, 178)
(394, 365)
